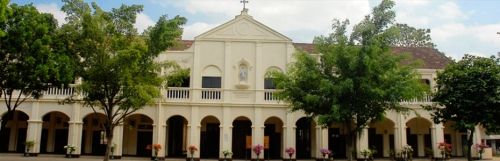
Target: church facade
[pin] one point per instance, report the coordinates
(227, 104)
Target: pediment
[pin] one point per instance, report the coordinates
(243, 27)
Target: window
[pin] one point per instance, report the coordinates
(269, 84)
(211, 82)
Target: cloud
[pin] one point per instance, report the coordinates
(142, 22)
(450, 11)
(287, 17)
(53, 9)
(195, 29)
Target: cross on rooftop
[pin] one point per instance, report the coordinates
(244, 3)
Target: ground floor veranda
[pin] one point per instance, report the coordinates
(214, 129)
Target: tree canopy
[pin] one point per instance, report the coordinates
(357, 78)
(29, 61)
(409, 36)
(468, 93)
(118, 72)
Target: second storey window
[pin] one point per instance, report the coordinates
(269, 84)
(211, 82)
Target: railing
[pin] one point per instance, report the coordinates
(211, 94)
(425, 99)
(56, 91)
(177, 93)
(269, 95)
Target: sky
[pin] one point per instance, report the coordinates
(458, 27)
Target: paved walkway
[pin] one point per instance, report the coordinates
(45, 157)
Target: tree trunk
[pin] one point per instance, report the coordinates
(469, 144)
(351, 138)
(109, 137)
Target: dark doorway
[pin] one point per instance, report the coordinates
(241, 129)
(17, 124)
(303, 138)
(144, 138)
(274, 150)
(412, 140)
(61, 141)
(376, 141)
(97, 147)
(337, 143)
(21, 139)
(44, 140)
(176, 134)
(210, 138)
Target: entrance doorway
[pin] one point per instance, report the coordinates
(242, 128)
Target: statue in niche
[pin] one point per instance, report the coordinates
(243, 73)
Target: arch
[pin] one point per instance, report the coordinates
(305, 138)
(242, 128)
(14, 131)
(381, 137)
(210, 137)
(137, 135)
(272, 69)
(93, 134)
(210, 118)
(273, 130)
(418, 134)
(55, 132)
(177, 126)
(212, 70)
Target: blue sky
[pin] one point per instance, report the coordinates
(458, 27)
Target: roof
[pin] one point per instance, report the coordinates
(431, 58)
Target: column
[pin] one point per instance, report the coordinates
(399, 133)
(259, 73)
(227, 77)
(75, 130)
(159, 131)
(437, 136)
(257, 131)
(226, 131)
(321, 141)
(194, 131)
(362, 142)
(387, 146)
(34, 134)
(34, 131)
(117, 141)
(289, 134)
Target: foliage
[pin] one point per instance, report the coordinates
(70, 148)
(445, 149)
(412, 37)
(357, 78)
(227, 153)
(29, 59)
(464, 88)
(290, 151)
(4, 12)
(325, 152)
(116, 64)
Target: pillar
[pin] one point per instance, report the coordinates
(362, 142)
(75, 130)
(257, 131)
(321, 141)
(117, 141)
(34, 133)
(400, 133)
(437, 136)
(289, 135)
(159, 130)
(194, 131)
(226, 132)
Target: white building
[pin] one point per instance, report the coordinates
(227, 99)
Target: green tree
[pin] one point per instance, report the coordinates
(119, 74)
(412, 37)
(468, 93)
(28, 62)
(357, 78)
(4, 12)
